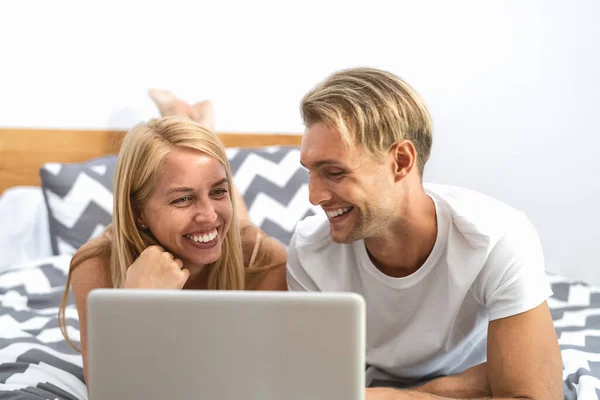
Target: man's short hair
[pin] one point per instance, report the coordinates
(371, 108)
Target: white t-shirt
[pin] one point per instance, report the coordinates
(486, 264)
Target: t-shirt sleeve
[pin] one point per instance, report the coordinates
(298, 279)
(513, 279)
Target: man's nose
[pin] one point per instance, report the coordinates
(317, 192)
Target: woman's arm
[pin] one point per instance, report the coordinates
(90, 274)
(275, 278)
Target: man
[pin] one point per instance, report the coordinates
(454, 281)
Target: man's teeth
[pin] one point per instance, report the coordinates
(339, 211)
(209, 237)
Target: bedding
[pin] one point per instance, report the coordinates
(37, 363)
(23, 226)
(274, 186)
(35, 360)
(79, 200)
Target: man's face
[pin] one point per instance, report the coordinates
(354, 187)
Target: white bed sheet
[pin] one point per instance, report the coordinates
(24, 231)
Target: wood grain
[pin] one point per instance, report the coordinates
(24, 151)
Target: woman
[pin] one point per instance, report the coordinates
(175, 223)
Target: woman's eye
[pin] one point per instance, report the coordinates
(219, 192)
(182, 200)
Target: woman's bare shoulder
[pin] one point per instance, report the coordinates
(90, 265)
(94, 271)
(264, 258)
(266, 250)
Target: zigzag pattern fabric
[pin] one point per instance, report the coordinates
(35, 360)
(274, 186)
(79, 197)
(575, 309)
(37, 363)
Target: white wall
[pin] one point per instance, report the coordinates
(513, 85)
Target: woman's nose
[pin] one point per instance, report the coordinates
(205, 213)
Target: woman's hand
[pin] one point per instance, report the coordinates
(156, 268)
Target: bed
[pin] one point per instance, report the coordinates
(55, 192)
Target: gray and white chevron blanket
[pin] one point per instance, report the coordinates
(36, 362)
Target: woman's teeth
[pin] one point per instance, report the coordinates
(209, 237)
(339, 211)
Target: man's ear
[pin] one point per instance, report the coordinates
(170, 105)
(404, 156)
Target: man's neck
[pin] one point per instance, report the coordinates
(406, 244)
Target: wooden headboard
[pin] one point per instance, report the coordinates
(24, 151)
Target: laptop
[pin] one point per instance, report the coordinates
(225, 345)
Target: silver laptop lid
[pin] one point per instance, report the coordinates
(158, 345)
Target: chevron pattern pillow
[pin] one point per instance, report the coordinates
(79, 197)
(274, 186)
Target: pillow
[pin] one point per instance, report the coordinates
(24, 233)
(274, 186)
(79, 197)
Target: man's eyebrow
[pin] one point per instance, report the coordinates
(322, 163)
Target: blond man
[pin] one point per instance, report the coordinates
(454, 281)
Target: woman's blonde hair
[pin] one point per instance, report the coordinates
(141, 156)
(371, 108)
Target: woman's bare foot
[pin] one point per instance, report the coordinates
(168, 104)
(203, 112)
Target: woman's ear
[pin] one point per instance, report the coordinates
(140, 220)
(404, 156)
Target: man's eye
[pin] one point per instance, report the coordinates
(335, 174)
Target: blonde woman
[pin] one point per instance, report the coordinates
(175, 223)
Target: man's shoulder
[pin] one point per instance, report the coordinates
(314, 260)
(312, 231)
(475, 213)
(457, 195)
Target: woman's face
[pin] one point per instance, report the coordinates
(189, 211)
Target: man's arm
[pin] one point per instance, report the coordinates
(471, 383)
(523, 361)
(524, 358)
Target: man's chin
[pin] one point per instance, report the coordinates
(341, 237)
